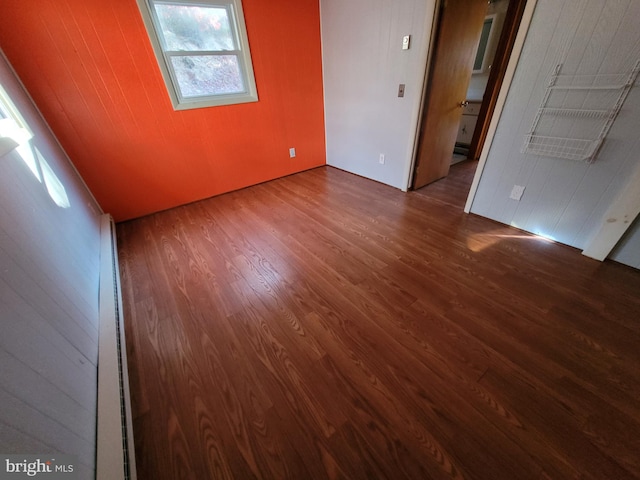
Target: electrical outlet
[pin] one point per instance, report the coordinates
(292, 153)
(381, 159)
(516, 192)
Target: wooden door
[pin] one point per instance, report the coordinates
(460, 25)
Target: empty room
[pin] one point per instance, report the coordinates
(320, 239)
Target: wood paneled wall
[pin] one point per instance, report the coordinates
(91, 70)
(49, 261)
(564, 199)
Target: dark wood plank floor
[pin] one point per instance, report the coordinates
(326, 326)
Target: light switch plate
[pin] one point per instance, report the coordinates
(401, 90)
(406, 42)
(516, 192)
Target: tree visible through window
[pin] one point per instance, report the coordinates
(202, 50)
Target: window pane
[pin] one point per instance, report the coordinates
(195, 28)
(208, 75)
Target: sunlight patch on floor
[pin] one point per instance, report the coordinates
(480, 241)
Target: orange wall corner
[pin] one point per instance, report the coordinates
(90, 68)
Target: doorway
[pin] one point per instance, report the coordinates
(451, 104)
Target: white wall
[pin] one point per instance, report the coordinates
(363, 64)
(49, 259)
(565, 200)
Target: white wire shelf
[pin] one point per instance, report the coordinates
(587, 113)
(587, 87)
(576, 112)
(605, 81)
(559, 147)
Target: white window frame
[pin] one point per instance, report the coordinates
(236, 16)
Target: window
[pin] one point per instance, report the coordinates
(202, 50)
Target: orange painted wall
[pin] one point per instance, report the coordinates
(90, 68)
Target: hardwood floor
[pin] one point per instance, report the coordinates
(326, 326)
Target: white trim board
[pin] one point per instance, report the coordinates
(615, 223)
(112, 462)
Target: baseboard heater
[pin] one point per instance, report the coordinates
(115, 455)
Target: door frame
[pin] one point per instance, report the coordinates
(516, 51)
(498, 67)
(499, 105)
(431, 48)
(459, 26)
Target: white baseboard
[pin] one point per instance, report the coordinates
(115, 455)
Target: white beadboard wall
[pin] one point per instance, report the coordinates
(49, 271)
(363, 65)
(565, 200)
